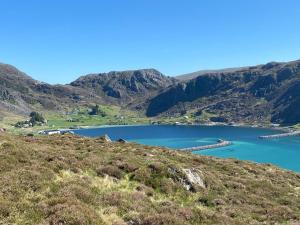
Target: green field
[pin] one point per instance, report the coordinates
(77, 118)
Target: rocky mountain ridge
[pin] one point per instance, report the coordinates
(125, 87)
(20, 94)
(256, 94)
(267, 92)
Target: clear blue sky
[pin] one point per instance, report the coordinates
(58, 40)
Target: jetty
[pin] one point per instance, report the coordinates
(221, 143)
(274, 136)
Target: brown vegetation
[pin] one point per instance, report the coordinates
(74, 180)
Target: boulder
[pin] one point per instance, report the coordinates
(122, 141)
(193, 178)
(106, 138)
(190, 179)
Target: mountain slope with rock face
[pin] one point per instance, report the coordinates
(257, 94)
(261, 93)
(125, 87)
(20, 94)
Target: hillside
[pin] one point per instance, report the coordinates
(255, 94)
(76, 180)
(20, 94)
(125, 87)
(193, 75)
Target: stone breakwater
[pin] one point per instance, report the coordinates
(221, 143)
(274, 136)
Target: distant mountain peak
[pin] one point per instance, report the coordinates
(9, 70)
(125, 87)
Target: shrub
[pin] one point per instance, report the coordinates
(73, 213)
(5, 208)
(163, 219)
(36, 117)
(110, 170)
(127, 167)
(96, 110)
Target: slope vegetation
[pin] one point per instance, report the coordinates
(75, 180)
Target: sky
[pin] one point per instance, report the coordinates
(56, 41)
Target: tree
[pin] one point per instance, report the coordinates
(96, 110)
(36, 117)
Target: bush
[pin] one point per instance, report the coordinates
(163, 219)
(36, 117)
(5, 208)
(110, 171)
(72, 213)
(96, 110)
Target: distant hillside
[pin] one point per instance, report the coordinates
(256, 94)
(125, 87)
(190, 76)
(21, 94)
(269, 92)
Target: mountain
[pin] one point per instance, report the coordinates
(256, 94)
(125, 87)
(20, 94)
(190, 76)
(269, 92)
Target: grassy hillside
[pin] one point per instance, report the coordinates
(78, 181)
(76, 117)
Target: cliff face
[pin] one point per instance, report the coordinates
(125, 87)
(268, 92)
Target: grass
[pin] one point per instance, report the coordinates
(74, 180)
(115, 115)
(297, 126)
(76, 118)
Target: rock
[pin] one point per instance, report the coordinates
(106, 138)
(122, 140)
(193, 177)
(2, 130)
(190, 179)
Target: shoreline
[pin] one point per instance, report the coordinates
(270, 127)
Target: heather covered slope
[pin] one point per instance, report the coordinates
(76, 180)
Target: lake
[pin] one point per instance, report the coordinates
(283, 152)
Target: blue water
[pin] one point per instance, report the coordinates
(283, 152)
